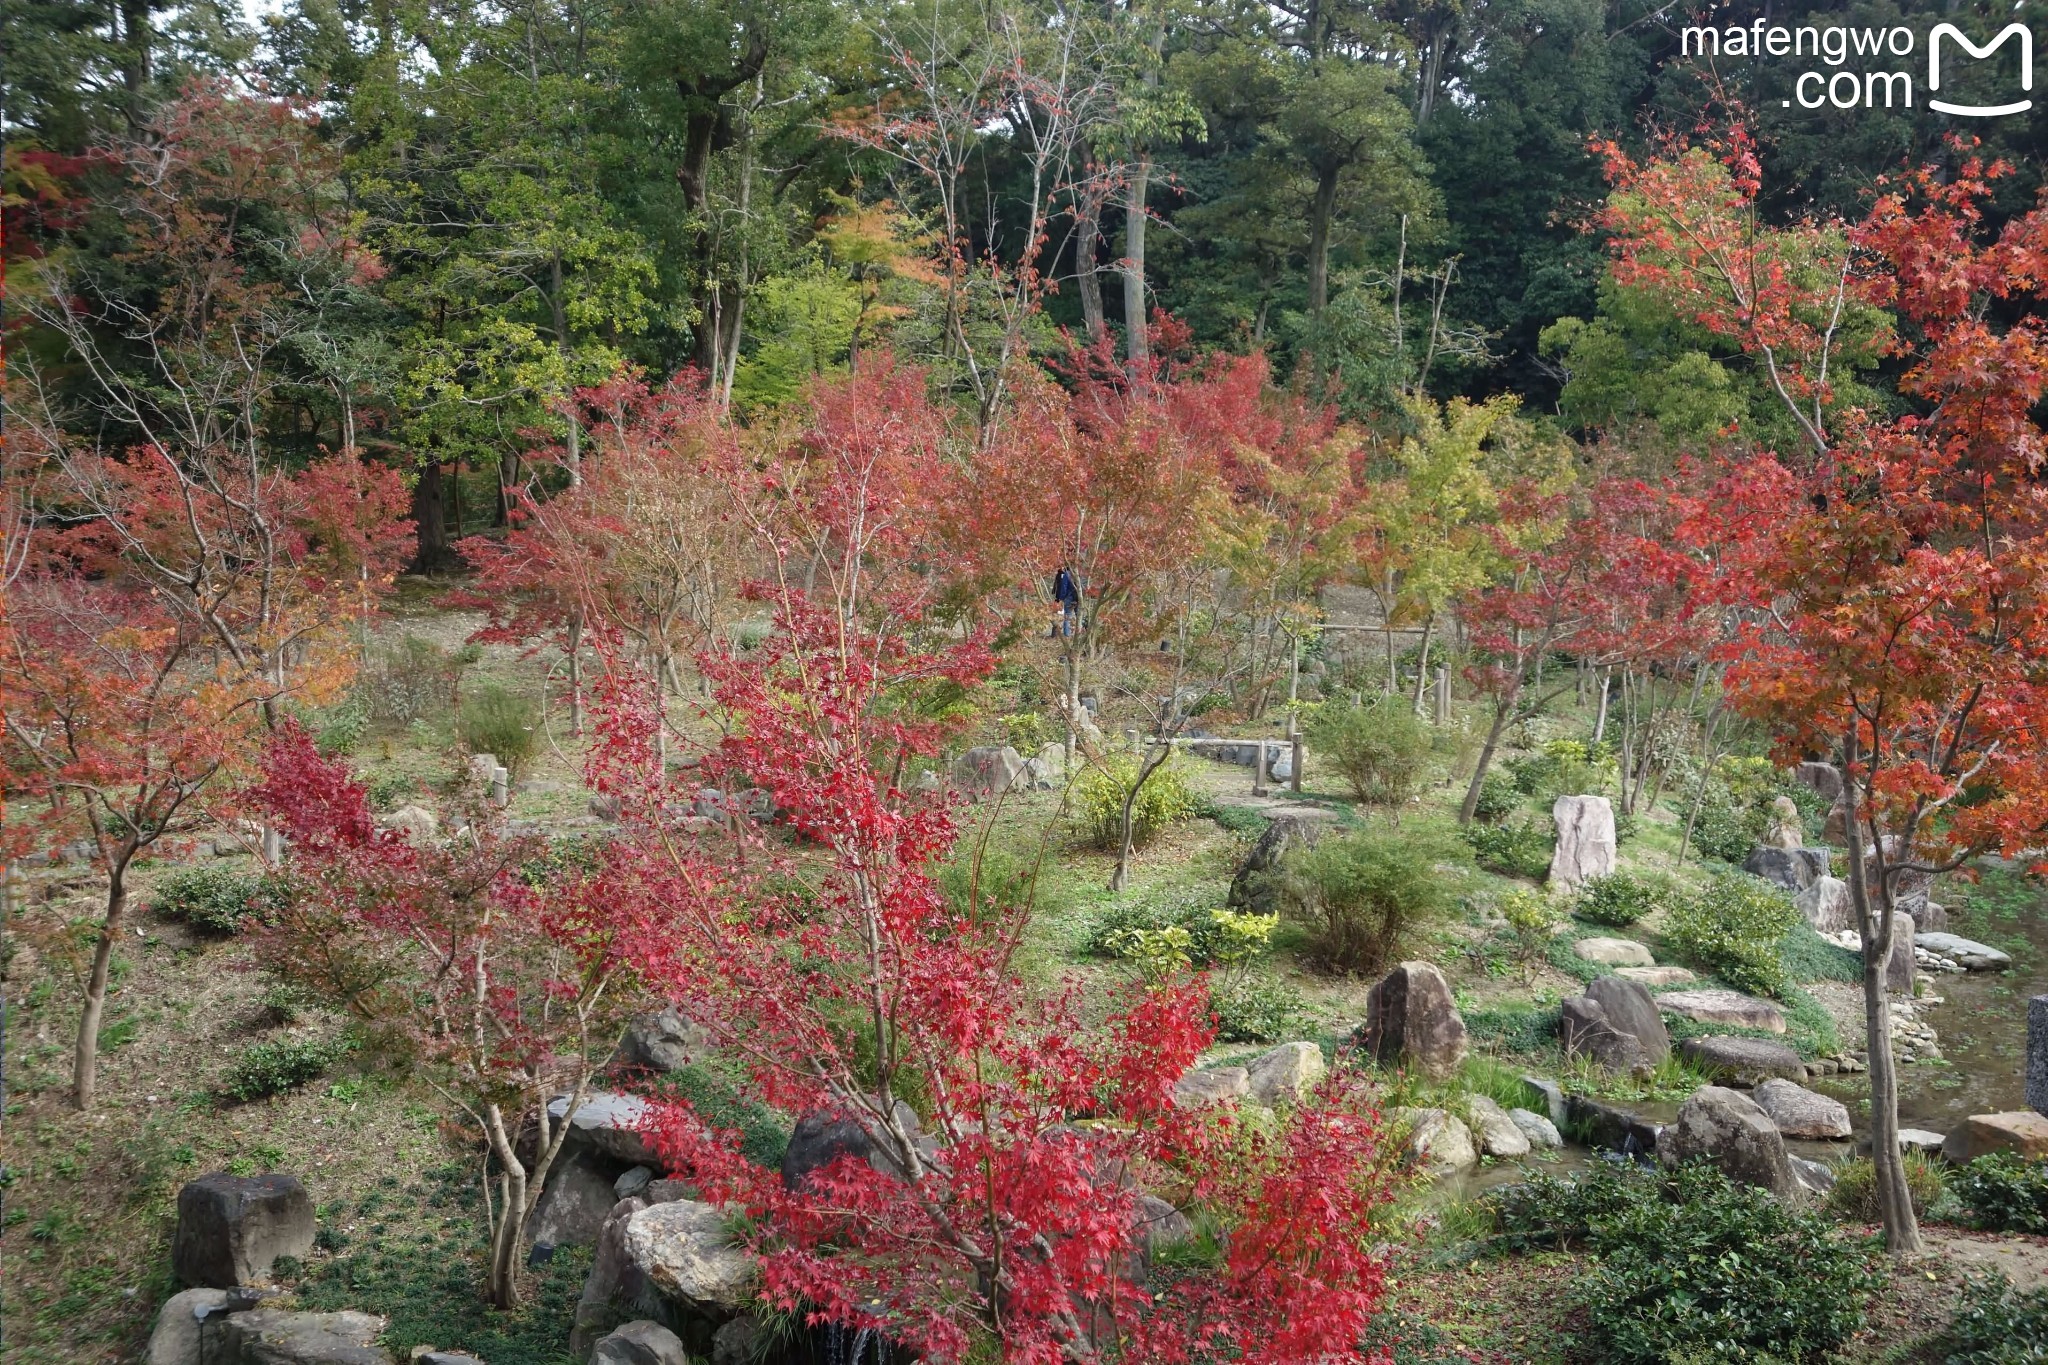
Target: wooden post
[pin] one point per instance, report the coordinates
(1294, 759)
(1259, 769)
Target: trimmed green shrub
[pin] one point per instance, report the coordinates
(497, 721)
(1498, 797)
(1363, 896)
(1514, 848)
(1383, 749)
(284, 1064)
(214, 898)
(388, 788)
(1691, 1266)
(338, 729)
(1998, 1325)
(1723, 830)
(1854, 1196)
(1733, 927)
(1622, 898)
(1099, 801)
(2004, 1192)
(764, 1134)
(1726, 1271)
(1256, 1011)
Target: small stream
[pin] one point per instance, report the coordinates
(1981, 1022)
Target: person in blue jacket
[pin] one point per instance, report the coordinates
(1067, 593)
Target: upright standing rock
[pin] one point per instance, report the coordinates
(989, 770)
(2037, 1054)
(1827, 906)
(1255, 886)
(1585, 840)
(1631, 1010)
(1410, 1019)
(231, 1228)
(1898, 968)
(1794, 869)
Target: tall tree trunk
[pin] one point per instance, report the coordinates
(1322, 208)
(1422, 661)
(86, 1054)
(1137, 339)
(1503, 709)
(1087, 279)
(430, 516)
(136, 36)
(1874, 919)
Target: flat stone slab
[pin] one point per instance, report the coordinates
(2022, 1131)
(1966, 953)
(1724, 1007)
(1653, 977)
(1615, 952)
(1743, 1061)
(1801, 1113)
(609, 1121)
(1920, 1140)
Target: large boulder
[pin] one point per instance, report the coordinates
(683, 1252)
(1496, 1132)
(1728, 1128)
(1787, 829)
(1968, 954)
(231, 1228)
(640, 1343)
(1614, 952)
(277, 1336)
(1928, 917)
(613, 1285)
(1630, 1009)
(1585, 1031)
(1799, 1112)
(661, 1041)
(1794, 869)
(988, 770)
(608, 1121)
(1411, 1020)
(821, 1138)
(1743, 1061)
(1824, 778)
(1255, 886)
(416, 824)
(2037, 1053)
(2021, 1131)
(574, 1205)
(175, 1338)
(1826, 905)
(1724, 1007)
(1212, 1085)
(1439, 1143)
(1585, 840)
(1286, 1073)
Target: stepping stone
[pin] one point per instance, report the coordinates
(1614, 952)
(1498, 1134)
(1919, 1140)
(1653, 977)
(1800, 1113)
(2023, 1131)
(1540, 1131)
(1743, 1061)
(1968, 954)
(1439, 1143)
(1724, 1007)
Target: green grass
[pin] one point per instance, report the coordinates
(1809, 957)
(1521, 1029)
(427, 1277)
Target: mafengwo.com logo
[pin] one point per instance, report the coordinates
(1853, 54)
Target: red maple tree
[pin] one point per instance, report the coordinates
(1889, 579)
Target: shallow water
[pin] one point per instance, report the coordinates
(1981, 1022)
